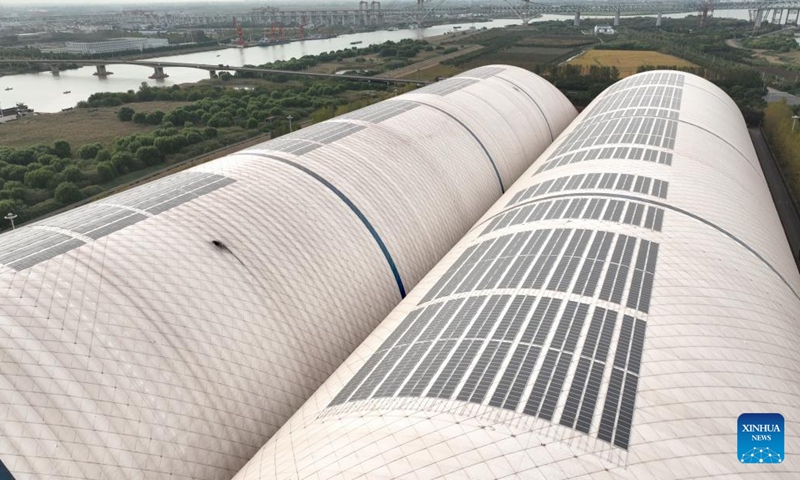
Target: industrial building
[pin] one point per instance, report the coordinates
(610, 317)
(170, 330)
(114, 45)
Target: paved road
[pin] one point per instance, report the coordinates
(780, 192)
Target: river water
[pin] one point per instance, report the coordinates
(45, 93)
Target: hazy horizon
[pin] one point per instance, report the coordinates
(249, 3)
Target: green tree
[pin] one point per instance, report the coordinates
(149, 155)
(103, 156)
(62, 149)
(169, 144)
(105, 172)
(38, 178)
(124, 162)
(140, 118)
(155, 117)
(126, 114)
(72, 174)
(210, 132)
(89, 150)
(68, 192)
(252, 123)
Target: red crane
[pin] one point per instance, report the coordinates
(303, 27)
(239, 32)
(276, 32)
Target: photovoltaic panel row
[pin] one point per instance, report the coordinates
(293, 145)
(644, 131)
(467, 345)
(582, 399)
(468, 342)
(545, 259)
(643, 275)
(28, 246)
(525, 259)
(518, 372)
(25, 247)
(550, 381)
(617, 417)
(329, 132)
(608, 210)
(617, 275)
(594, 181)
(660, 97)
(482, 72)
(608, 153)
(652, 78)
(446, 87)
(490, 349)
(381, 111)
(171, 191)
(87, 219)
(632, 112)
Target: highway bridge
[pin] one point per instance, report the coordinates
(159, 72)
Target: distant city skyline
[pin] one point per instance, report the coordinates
(254, 3)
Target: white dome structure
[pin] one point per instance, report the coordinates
(170, 330)
(609, 318)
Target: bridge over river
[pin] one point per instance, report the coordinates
(159, 66)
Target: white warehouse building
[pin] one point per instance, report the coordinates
(610, 317)
(170, 330)
(114, 45)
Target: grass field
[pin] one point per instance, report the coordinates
(518, 56)
(433, 72)
(78, 126)
(628, 61)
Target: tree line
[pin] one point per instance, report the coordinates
(39, 179)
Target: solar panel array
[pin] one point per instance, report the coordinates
(312, 138)
(27, 246)
(526, 317)
(381, 111)
(458, 348)
(594, 181)
(608, 210)
(446, 87)
(482, 72)
(641, 115)
(649, 131)
(609, 153)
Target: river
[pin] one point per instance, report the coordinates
(44, 92)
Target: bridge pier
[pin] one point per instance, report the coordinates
(758, 18)
(776, 16)
(616, 19)
(577, 21)
(54, 70)
(212, 74)
(658, 20)
(158, 74)
(102, 72)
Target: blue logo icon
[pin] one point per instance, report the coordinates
(761, 438)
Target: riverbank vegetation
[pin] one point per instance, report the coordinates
(785, 143)
(36, 180)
